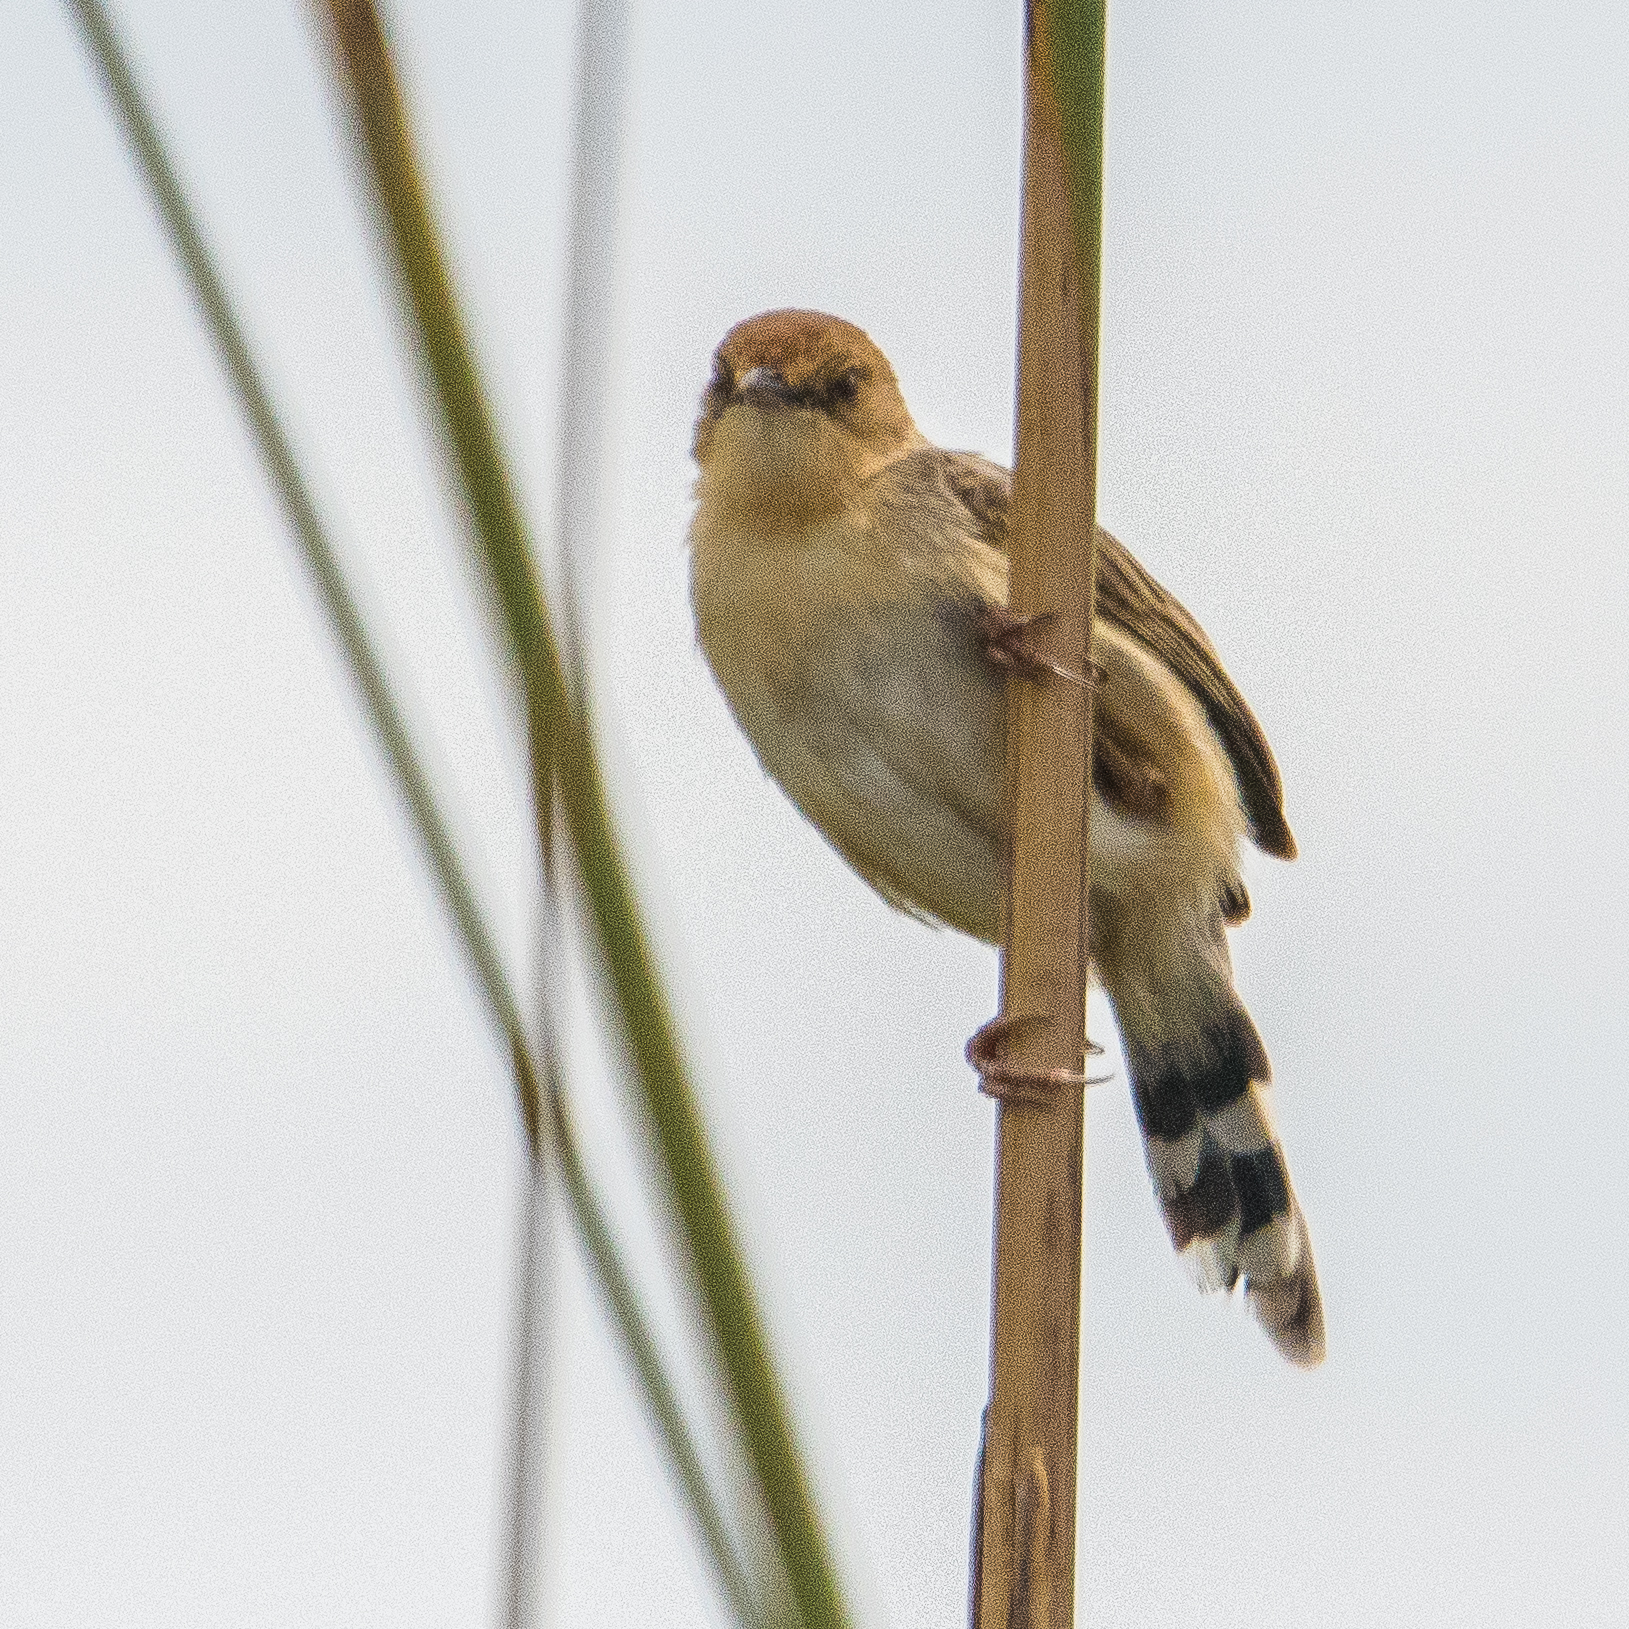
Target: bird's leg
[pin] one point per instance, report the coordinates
(1010, 1082)
(1005, 637)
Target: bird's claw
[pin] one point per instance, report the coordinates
(1007, 643)
(1020, 1083)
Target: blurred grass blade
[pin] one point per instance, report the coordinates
(301, 511)
(755, 1393)
(525, 1524)
(585, 375)
(598, 148)
(587, 1215)
(639, 1342)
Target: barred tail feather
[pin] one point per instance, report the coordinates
(1220, 1173)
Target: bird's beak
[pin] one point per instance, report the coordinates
(765, 388)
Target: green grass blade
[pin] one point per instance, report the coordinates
(734, 1321)
(588, 1216)
(301, 512)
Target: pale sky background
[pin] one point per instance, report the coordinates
(1365, 408)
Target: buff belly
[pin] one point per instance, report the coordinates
(890, 735)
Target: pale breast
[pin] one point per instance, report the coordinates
(878, 716)
(871, 701)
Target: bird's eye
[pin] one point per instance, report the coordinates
(844, 388)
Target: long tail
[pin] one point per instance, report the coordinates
(1219, 1170)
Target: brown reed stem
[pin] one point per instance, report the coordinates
(1024, 1574)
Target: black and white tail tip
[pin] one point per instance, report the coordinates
(1222, 1181)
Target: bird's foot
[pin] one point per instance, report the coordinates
(1007, 642)
(1020, 1083)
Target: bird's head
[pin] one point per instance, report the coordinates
(801, 409)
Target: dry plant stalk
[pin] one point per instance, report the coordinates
(1024, 1565)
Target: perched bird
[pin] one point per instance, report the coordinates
(850, 584)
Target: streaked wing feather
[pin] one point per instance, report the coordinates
(1128, 596)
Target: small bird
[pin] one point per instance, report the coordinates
(849, 580)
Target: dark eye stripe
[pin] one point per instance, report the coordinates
(832, 393)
